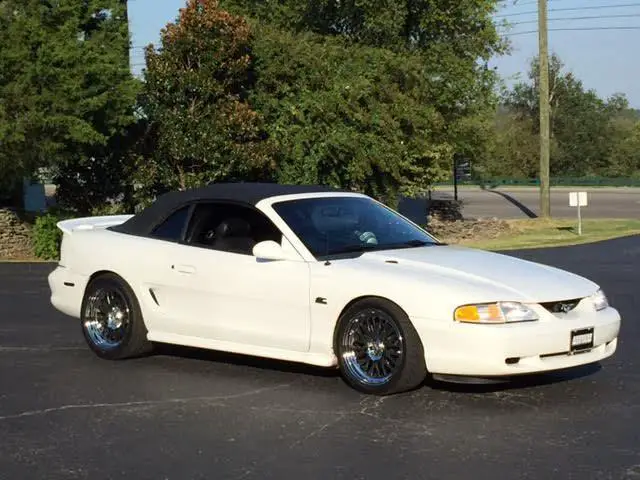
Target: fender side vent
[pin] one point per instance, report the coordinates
(153, 295)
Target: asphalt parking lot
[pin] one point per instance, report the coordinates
(187, 414)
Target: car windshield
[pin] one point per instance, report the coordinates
(342, 225)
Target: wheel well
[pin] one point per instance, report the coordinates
(352, 303)
(98, 274)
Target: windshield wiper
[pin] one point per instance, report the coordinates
(353, 249)
(415, 243)
(371, 247)
(409, 244)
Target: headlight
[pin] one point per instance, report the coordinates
(599, 300)
(501, 312)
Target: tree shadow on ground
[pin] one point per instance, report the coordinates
(523, 208)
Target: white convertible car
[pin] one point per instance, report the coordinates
(324, 277)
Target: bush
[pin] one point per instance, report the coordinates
(47, 237)
(110, 209)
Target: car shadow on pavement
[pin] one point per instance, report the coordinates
(503, 384)
(516, 382)
(242, 360)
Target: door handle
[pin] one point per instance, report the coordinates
(188, 269)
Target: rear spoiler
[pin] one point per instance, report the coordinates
(91, 223)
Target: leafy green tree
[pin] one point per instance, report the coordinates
(351, 117)
(18, 156)
(374, 95)
(581, 122)
(625, 154)
(515, 148)
(67, 93)
(462, 28)
(195, 101)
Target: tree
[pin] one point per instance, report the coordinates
(624, 161)
(67, 93)
(19, 120)
(581, 122)
(195, 100)
(434, 53)
(354, 117)
(464, 28)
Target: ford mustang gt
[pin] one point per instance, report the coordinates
(324, 277)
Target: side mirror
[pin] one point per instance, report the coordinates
(269, 250)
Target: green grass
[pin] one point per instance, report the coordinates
(538, 233)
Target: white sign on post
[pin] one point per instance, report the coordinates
(578, 199)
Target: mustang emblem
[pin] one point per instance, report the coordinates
(566, 307)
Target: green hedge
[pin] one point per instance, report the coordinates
(47, 237)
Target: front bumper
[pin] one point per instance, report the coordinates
(453, 348)
(67, 290)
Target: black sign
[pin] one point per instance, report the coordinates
(462, 169)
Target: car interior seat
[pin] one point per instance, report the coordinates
(234, 234)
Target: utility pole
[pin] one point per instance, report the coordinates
(545, 194)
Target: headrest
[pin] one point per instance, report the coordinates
(233, 227)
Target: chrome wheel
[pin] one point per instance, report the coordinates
(372, 347)
(106, 318)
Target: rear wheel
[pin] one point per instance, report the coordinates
(379, 351)
(111, 319)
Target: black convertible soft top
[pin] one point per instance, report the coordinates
(246, 193)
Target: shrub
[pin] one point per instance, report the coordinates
(47, 237)
(114, 208)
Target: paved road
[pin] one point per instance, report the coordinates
(524, 202)
(184, 414)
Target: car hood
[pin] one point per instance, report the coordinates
(497, 274)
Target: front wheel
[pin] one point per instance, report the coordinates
(379, 351)
(111, 319)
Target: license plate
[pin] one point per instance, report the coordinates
(582, 339)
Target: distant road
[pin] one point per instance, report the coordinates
(523, 202)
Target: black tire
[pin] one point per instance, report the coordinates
(409, 370)
(132, 336)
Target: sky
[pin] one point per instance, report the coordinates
(605, 56)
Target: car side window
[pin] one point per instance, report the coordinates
(171, 229)
(230, 227)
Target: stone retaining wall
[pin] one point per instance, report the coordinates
(15, 236)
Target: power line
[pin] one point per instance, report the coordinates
(571, 9)
(582, 29)
(589, 17)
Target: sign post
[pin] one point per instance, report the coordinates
(455, 178)
(461, 171)
(578, 199)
